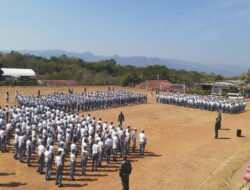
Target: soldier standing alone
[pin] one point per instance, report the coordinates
(124, 172)
(219, 120)
(216, 127)
(121, 118)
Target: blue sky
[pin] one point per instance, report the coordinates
(204, 31)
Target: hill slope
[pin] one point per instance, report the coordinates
(141, 61)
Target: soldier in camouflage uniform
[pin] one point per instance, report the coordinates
(219, 120)
(121, 118)
(216, 127)
(124, 172)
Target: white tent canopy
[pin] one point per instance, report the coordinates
(16, 72)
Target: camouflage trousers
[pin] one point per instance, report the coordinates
(125, 182)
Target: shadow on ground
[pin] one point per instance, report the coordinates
(80, 181)
(12, 184)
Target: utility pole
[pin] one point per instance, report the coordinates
(157, 81)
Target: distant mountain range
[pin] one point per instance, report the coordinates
(140, 61)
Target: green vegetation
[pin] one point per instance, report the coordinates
(99, 73)
(199, 92)
(19, 83)
(224, 94)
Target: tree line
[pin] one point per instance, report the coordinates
(105, 72)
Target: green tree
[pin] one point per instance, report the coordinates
(218, 77)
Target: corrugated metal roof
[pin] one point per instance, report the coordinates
(221, 83)
(238, 82)
(16, 72)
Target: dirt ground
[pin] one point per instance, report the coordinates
(181, 152)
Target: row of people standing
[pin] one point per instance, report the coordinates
(84, 101)
(210, 103)
(42, 129)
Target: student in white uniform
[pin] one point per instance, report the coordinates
(84, 157)
(143, 141)
(95, 156)
(28, 148)
(100, 155)
(134, 136)
(48, 161)
(108, 147)
(72, 165)
(41, 151)
(115, 146)
(59, 168)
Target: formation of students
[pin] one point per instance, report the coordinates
(52, 134)
(84, 101)
(210, 103)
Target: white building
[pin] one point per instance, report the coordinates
(10, 74)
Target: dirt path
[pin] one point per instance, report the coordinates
(181, 150)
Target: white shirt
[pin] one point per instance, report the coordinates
(51, 149)
(134, 135)
(8, 126)
(127, 138)
(20, 140)
(72, 157)
(85, 153)
(109, 142)
(41, 150)
(142, 137)
(62, 150)
(73, 147)
(16, 139)
(47, 155)
(28, 143)
(98, 138)
(84, 145)
(58, 161)
(100, 146)
(33, 133)
(68, 138)
(59, 137)
(2, 133)
(104, 126)
(115, 142)
(95, 149)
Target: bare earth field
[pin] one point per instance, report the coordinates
(181, 152)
